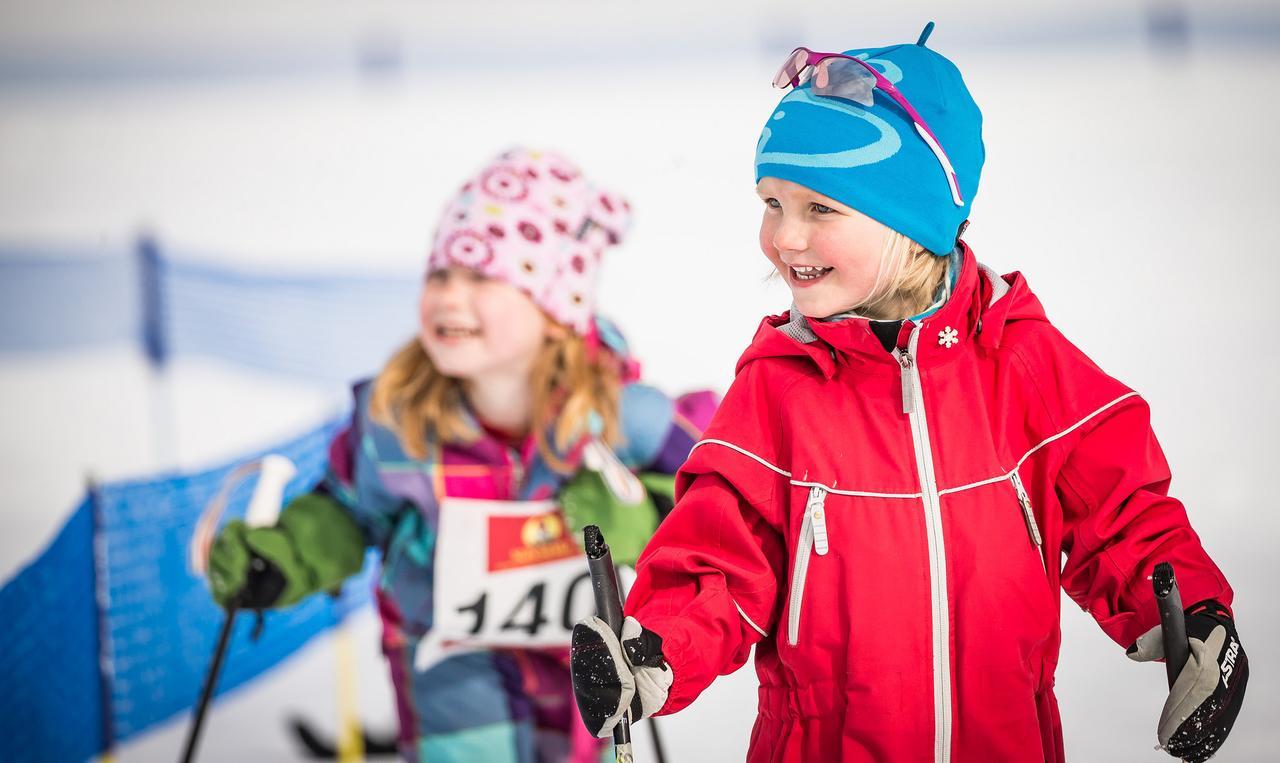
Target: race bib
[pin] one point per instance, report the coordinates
(507, 574)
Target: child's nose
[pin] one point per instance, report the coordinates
(790, 236)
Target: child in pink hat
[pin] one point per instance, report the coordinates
(489, 440)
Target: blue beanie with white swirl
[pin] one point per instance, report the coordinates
(872, 158)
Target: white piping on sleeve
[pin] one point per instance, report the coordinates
(750, 622)
(1038, 446)
(743, 451)
(1074, 426)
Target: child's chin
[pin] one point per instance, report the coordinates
(815, 308)
(459, 373)
(450, 362)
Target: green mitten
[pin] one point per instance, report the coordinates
(313, 547)
(627, 527)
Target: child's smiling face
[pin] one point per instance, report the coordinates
(829, 254)
(472, 325)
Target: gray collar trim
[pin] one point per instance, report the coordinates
(798, 327)
(999, 287)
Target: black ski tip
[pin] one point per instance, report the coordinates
(312, 745)
(318, 748)
(384, 747)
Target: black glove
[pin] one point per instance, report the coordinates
(610, 678)
(1206, 697)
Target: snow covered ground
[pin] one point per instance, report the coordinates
(1135, 189)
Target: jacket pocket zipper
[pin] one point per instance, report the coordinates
(1029, 516)
(813, 538)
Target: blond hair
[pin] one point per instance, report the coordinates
(912, 284)
(568, 382)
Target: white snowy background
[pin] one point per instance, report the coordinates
(1131, 174)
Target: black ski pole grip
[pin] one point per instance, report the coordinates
(604, 584)
(1173, 623)
(604, 579)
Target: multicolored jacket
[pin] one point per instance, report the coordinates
(887, 529)
(395, 500)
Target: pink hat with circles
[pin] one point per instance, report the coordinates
(531, 219)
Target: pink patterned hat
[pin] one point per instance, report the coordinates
(531, 219)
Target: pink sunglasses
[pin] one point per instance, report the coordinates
(835, 75)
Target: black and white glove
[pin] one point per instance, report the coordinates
(610, 678)
(1206, 696)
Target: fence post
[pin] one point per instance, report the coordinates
(155, 345)
(102, 604)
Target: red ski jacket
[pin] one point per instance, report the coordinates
(888, 530)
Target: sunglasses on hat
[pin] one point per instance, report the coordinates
(835, 75)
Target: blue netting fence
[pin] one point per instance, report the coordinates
(114, 584)
(324, 327)
(107, 633)
(61, 297)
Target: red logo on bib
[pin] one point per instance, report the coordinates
(522, 541)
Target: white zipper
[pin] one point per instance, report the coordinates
(913, 406)
(813, 537)
(1029, 516)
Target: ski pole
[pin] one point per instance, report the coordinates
(210, 680)
(604, 584)
(658, 749)
(1173, 625)
(264, 508)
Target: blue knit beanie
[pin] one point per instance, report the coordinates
(871, 158)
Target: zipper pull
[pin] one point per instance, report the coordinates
(1027, 514)
(816, 507)
(906, 362)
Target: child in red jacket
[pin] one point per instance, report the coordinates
(882, 503)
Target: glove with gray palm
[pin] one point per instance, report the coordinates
(612, 675)
(1206, 696)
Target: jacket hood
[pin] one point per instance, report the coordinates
(981, 306)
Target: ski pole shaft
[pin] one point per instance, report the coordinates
(659, 751)
(210, 682)
(1173, 624)
(604, 584)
